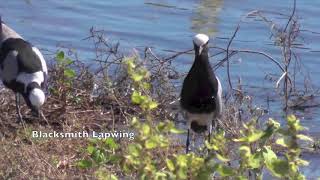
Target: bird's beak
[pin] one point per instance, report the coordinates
(200, 50)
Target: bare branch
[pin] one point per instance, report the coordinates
(227, 57)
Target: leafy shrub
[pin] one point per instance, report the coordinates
(152, 155)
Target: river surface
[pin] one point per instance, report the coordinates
(170, 25)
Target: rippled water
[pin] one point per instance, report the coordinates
(170, 25)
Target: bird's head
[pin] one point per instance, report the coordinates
(34, 97)
(200, 42)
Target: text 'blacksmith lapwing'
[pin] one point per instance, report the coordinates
(22, 69)
(201, 91)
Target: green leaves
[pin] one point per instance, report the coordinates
(100, 151)
(152, 105)
(134, 149)
(182, 160)
(151, 142)
(170, 127)
(294, 123)
(62, 61)
(139, 75)
(84, 164)
(60, 56)
(288, 166)
(69, 73)
(146, 129)
(136, 73)
(278, 168)
(90, 149)
(249, 160)
(283, 142)
(145, 102)
(182, 165)
(304, 137)
(253, 157)
(103, 174)
(65, 73)
(170, 164)
(224, 170)
(250, 134)
(137, 98)
(153, 136)
(111, 143)
(254, 136)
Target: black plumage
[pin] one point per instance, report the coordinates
(200, 87)
(201, 92)
(28, 60)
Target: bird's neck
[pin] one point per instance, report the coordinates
(202, 59)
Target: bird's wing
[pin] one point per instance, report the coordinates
(28, 61)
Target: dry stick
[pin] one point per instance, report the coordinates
(228, 61)
(263, 54)
(287, 56)
(284, 49)
(293, 12)
(153, 55)
(113, 118)
(218, 53)
(177, 54)
(84, 111)
(216, 66)
(227, 56)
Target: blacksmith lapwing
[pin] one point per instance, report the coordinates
(201, 91)
(22, 69)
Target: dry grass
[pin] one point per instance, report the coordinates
(24, 157)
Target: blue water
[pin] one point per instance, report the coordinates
(170, 25)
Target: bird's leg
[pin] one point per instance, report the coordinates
(18, 107)
(193, 139)
(210, 131)
(38, 114)
(41, 116)
(188, 142)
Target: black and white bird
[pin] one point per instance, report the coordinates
(22, 69)
(201, 92)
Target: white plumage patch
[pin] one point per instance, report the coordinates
(203, 119)
(27, 78)
(37, 97)
(200, 39)
(43, 62)
(219, 99)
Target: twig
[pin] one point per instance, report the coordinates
(264, 54)
(292, 14)
(228, 60)
(177, 54)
